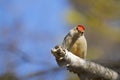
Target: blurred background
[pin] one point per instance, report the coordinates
(30, 28)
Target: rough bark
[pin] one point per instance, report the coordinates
(86, 70)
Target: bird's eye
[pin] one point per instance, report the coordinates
(77, 28)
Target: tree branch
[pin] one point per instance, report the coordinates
(80, 66)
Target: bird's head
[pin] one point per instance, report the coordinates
(80, 29)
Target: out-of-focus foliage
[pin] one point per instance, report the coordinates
(103, 9)
(102, 21)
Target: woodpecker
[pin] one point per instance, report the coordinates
(75, 41)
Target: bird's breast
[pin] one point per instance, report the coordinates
(79, 47)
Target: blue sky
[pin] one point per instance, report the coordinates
(42, 27)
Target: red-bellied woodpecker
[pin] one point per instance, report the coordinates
(75, 42)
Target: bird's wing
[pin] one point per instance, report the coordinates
(67, 40)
